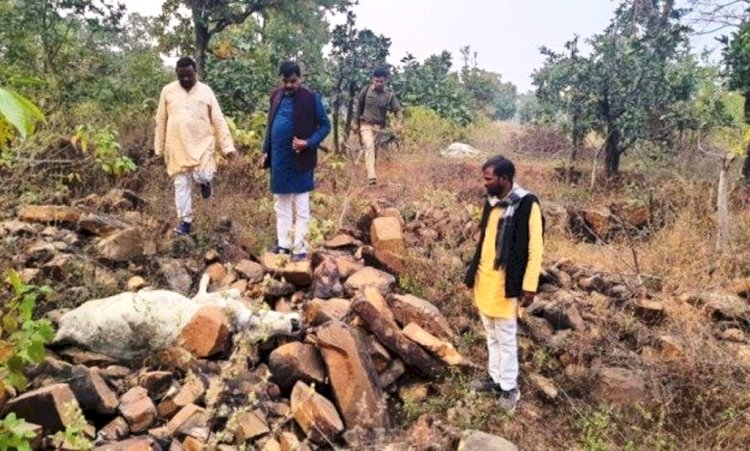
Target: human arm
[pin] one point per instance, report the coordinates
(534, 262)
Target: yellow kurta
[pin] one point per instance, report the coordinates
(489, 286)
(188, 125)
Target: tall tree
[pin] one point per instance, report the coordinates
(209, 17)
(737, 63)
(494, 97)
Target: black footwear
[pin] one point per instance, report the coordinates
(372, 182)
(281, 250)
(183, 228)
(485, 386)
(299, 257)
(508, 399)
(206, 190)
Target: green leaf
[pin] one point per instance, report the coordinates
(19, 111)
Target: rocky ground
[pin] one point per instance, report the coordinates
(374, 366)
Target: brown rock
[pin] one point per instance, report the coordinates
(391, 336)
(545, 386)
(250, 426)
(353, 377)
(211, 256)
(115, 372)
(395, 370)
(347, 265)
(392, 261)
(619, 386)
(91, 391)
(87, 358)
(178, 279)
(47, 407)
(370, 277)
(733, 334)
(648, 310)
(101, 225)
(137, 409)
(373, 296)
(316, 415)
(439, 348)
(135, 283)
(480, 441)
(600, 222)
(296, 361)
(193, 444)
(240, 285)
(380, 356)
(741, 287)
(142, 443)
(49, 213)
(116, 429)
(207, 333)
(155, 382)
(670, 348)
(326, 280)
(342, 240)
(635, 215)
(386, 235)
(319, 311)
(723, 306)
(250, 270)
(411, 309)
(216, 272)
(425, 433)
(297, 273)
(189, 393)
(289, 442)
(187, 419)
(563, 316)
(122, 246)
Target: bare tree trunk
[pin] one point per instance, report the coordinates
(201, 46)
(722, 206)
(612, 154)
(746, 165)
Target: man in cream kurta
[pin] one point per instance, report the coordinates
(189, 123)
(505, 273)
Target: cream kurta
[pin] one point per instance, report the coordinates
(187, 127)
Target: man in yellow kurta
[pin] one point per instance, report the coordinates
(505, 273)
(188, 124)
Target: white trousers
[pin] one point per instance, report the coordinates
(183, 191)
(291, 231)
(368, 132)
(502, 347)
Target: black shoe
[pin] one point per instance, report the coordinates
(183, 228)
(485, 386)
(508, 399)
(372, 182)
(299, 257)
(206, 190)
(281, 250)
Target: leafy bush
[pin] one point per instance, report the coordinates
(14, 434)
(427, 130)
(103, 144)
(22, 338)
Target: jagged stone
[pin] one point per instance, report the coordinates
(137, 409)
(391, 336)
(207, 333)
(250, 426)
(122, 245)
(250, 270)
(156, 382)
(619, 386)
(442, 349)
(141, 443)
(369, 276)
(319, 311)
(91, 391)
(297, 273)
(101, 225)
(545, 386)
(352, 377)
(188, 418)
(48, 407)
(189, 393)
(390, 375)
(296, 361)
(49, 213)
(472, 440)
(177, 277)
(342, 240)
(316, 415)
(411, 309)
(347, 265)
(116, 429)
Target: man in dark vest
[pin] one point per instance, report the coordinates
(297, 124)
(504, 273)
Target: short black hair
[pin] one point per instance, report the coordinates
(289, 68)
(185, 61)
(501, 167)
(380, 72)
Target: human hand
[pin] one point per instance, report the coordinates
(263, 160)
(299, 145)
(527, 298)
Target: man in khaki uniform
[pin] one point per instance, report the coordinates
(371, 116)
(189, 123)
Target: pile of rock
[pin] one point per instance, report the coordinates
(218, 388)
